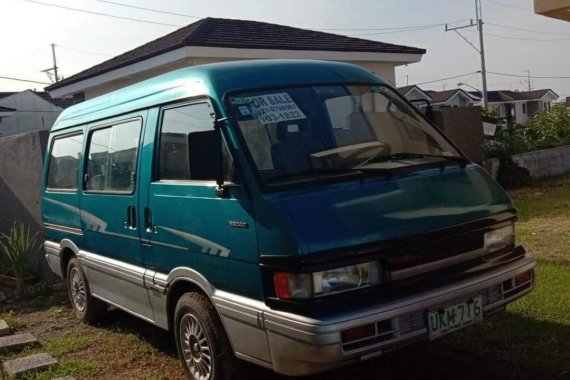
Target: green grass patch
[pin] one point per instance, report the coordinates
(544, 214)
(11, 318)
(548, 199)
(550, 300)
(530, 341)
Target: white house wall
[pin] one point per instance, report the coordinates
(520, 116)
(32, 113)
(386, 71)
(382, 64)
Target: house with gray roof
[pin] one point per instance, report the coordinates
(216, 40)
(520, 106)
(28, 110)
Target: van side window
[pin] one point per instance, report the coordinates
(185, 135)
(64, 162)
(112, 158)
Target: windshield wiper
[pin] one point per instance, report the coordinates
(406, 156)
(317, 172)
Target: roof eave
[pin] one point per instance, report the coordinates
(189, 52)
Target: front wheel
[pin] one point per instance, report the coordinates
(85, 306)
(202, 344)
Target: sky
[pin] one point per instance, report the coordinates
(83, 40)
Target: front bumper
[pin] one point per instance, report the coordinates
(296, 345)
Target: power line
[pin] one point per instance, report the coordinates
(101, 14)
(526, 76)
(23, 80)
(405, 28)
(523, 38)
(527, 39)
(148, 9)
(448, 78)
(83, 51)
(510, 6)
(390, 29)
(526, 30)
(392, 32)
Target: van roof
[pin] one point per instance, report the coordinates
(214, 80)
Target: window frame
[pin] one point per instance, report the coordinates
(87, 145)
(267, 189)
(158, 138)
(79, 171)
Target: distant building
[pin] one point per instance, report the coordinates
(439, 99)
(28, 111)
(519, 106)
(217, 40)
(452, 98)
(516, 106)
(414, 93)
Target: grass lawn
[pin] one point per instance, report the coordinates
(530, 341)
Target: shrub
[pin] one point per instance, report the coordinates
(15, 248)
(547, 129)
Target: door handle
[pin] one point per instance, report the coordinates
(148, 226)
(131, 222)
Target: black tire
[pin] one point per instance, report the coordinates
(87, 308)
(195, 310)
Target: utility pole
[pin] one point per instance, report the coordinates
(529, 83)
(52, 71)
(480, 49)
(479, 10)
(407, 80)
(54, 63)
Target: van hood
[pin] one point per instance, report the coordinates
(379, 209)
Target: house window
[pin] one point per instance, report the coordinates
(112, 158)
(524, 108)
(64, 162)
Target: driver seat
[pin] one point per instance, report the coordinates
(295, 144)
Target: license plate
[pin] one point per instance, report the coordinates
(452, 318)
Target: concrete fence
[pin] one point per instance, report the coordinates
(545, 163)
(540, 163)
(21, 158)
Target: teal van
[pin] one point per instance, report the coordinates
(299, 215)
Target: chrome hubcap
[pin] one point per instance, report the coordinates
(195, 348)
(77, 289)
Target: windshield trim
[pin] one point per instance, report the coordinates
(357, 175)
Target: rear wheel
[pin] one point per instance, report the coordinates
(87, 308)
(202, 344)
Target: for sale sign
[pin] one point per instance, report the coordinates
(273, 108)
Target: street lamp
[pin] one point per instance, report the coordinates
(468, 85)
(476, 89)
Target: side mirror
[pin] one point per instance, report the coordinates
(206, 157)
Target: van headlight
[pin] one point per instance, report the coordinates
(500, 238)
(318, 284)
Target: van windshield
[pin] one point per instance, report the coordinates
(312, 133)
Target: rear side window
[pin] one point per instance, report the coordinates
(64, 163)
(112, 158)
(185, 135)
